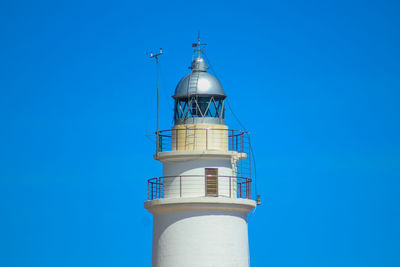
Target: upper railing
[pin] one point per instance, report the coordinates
(209, 139)
(203, 139)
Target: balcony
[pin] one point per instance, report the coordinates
(198, 186)
(203, 139)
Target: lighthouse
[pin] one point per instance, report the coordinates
(201, 202)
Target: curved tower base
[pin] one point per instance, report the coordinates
(200, 232)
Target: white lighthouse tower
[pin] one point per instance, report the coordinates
(201, 202)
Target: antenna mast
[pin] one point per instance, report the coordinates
(198, 48)
(156, 55)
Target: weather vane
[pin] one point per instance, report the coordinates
(198, 48)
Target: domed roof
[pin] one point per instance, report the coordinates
(199, 64)
(199, 82)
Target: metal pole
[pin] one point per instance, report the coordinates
(158, 107)
(158, 112)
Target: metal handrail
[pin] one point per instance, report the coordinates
(209, 139)
(236, 140)
(231, 186)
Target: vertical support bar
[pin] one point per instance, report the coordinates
(230, 186)
(248, 137)
(233, 145)
(176, 138)
(236, 142)
(249, 197)
(180, 186)
(242, 141)
(247, 189)
(207, 139)
(157, 187)
(236, 145)
(152, 191)
(242, 150)
(148, 192)
(205, 184)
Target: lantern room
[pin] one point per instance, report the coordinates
(199, 97)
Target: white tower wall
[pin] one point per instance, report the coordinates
(186, 178)
(201, 233)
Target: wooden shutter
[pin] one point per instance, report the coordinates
(211, 182)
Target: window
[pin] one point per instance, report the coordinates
(211, 182)
(199, 106)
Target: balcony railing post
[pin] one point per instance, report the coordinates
(247, 189)
(180, 186)
(176, 139)
(249, 154)
(241, 138)
(155, 190)
(230, 187)
(233, 146)
(206, 139)
(249, 196)
(159, 187)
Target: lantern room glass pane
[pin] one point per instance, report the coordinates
(199, 107)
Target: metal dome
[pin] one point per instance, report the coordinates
(199, 64)
(199, 83)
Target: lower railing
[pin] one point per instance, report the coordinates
(197, 186)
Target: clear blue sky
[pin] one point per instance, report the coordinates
(315, 82)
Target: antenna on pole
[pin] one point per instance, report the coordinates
(156, 55)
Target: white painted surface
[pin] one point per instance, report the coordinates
(187, 178)
(199, 234)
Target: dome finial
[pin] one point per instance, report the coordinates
(198, 48)
(198, 45)
(198, 63)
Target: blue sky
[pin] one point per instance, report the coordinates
(315, 82)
